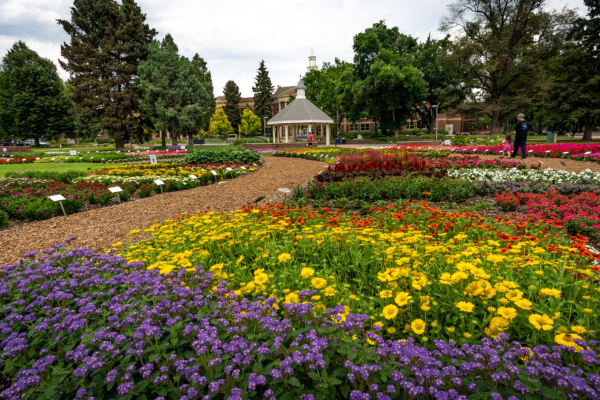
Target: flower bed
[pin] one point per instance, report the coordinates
(89, 326)
(557, 150)
(458, 275)
(586, 177)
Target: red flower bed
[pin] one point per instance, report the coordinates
(16, 160)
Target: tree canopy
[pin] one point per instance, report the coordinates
(263, 92)
(219, 124)
(250, 124)
(33, 102)
(232, 100)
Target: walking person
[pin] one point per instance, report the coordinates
(507, 145)
(522, 127)
(310, 139)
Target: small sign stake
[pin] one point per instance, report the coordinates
(59, 198)
(116, 190)
(160, 183)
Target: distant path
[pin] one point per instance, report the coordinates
(100, 228)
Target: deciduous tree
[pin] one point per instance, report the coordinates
(33, 104)
(250, 124)
(219, 123)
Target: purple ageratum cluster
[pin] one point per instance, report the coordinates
(84, 325)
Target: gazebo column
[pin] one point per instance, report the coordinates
(328, 130)
(287, 133)
(309, 131)
(274, 130)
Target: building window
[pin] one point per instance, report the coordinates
(353, 127)
(365, 127)
(409, 125)
(277, 108)
(282, 105)
(472, 124)
(269, 131)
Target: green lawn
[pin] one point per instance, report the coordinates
(4, 168)
(106, 147)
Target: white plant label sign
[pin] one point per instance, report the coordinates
(72, 152)
(159, 182)
(153, 159)
(115, 189)
(57, 197)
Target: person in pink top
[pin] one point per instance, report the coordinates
(310, 140)
(507, 145)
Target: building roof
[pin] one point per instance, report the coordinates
(300, 111)
(282, 90)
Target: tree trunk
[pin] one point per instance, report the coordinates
(37, 142)
(119, 142)
(495, 123)
(337, 119)
(163, 138)
(587, 129)
(173, 134)
(191, 140)
(396, 133)
(430, 128)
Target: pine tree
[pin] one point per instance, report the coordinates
(205, 77)
(232, 98)
(172, 96)
(263, 93)
(33, 103)
(108, 41)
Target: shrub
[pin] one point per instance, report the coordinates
(3, 219)
(145, 190)
(222, 156)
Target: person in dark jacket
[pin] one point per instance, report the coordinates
(521, 129)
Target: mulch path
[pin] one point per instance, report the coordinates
(98, 229)
(554, 163)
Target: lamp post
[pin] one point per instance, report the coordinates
(436, 121)
(265, 126)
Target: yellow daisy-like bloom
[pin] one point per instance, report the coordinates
(568, 339)
(353, 297)
(496, 327)
(550, 292)
(491, 309)
(418, 326)
(390, 311)
(465, 306)
(292, 298)
(578, 329)
(496, 258)
(402, 298)
(514, 295)
(315, 298)
(451, 329)
(507, 312)
(457, 276)
(261, 279)
(446, 279)
(307, 272)
(587, 310)
(434, 324)
(318, 283)
(467, 335)
(524, 304)
(329, 291)
(283, 257)
(556, 316)
(391, 329)
(385, 294)
(541, 322)
(539, 272)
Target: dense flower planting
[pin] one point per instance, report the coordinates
(414, 270)
(557, 150)
(16, 160)
(90, 326)
(586, 177)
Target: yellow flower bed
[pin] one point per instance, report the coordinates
(174, 169)
(413, 269)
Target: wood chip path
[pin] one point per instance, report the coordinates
(100, 228)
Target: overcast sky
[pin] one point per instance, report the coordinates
(233, 36)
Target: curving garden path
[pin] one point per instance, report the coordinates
(98, 229)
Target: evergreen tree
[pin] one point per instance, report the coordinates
(33, 103)
(232, 98)
(108, 41)
(172, 96)
(219, 124)
(205, 77)
(574, 95)
(263, 93)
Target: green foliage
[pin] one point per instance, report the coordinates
(33, 104)
(219, 124)
(65, 177)
(232, 94)
(205, 77)
(263, 93)
(250, 124)
(108, 40)
(172, 96)
(3, 220)
(221, 156)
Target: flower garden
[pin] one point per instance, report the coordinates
(24, 196)
(365, 285)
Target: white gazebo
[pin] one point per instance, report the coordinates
(300, 112)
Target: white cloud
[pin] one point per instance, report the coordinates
(234, 36)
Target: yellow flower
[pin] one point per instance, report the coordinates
(568, 339)
(451, 329)
(283, 257)
(306, 272)
(402, 298)
(418, 326)
(514, 295)
(385, 294)
(353, 297)
(315, 298)
(539, 272)
(465, 306)
(239, 260)
(550, 292)
(507, 312)
(261, 279)
(587, 310)
(556, 316)
(329, 291)
(446, 279)
(391, 329)
(524, 304)
(434, 324)
(318, 283)
(578, 329)
(390, 311)
(497, 326)
(541, 322)
(496, 258)
(379, 324)
(585, 297)
(292, 298)
(491, 309)
(467, 335)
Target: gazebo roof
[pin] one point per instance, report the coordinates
(300, 111)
